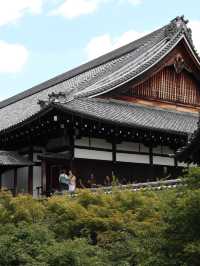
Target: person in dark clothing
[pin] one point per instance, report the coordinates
(91, 181)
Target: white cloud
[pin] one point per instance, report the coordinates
(105, 43)
(12, 57)
(75, 8)
(195, 27)
(12, 10)
(135, 2)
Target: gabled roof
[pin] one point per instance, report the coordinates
(100, 75)
(88, 73)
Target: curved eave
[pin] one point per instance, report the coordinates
(118, 124)
(28, 120)
(192, 50)
(79, 113)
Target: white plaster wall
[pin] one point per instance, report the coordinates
(132, 158)
(94, 143)
(163, 150)
(91, 154)
(7, 179)
(144, 148)
(22, 180)
(100, 143)
(82, 142)
(128, 146)
(157, 149)
(158, 160)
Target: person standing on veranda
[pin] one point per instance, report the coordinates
(72, 182)
(64, 181)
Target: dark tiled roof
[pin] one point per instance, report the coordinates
(124, 114)
(78, 78)
(100, 75)
(10, 158)
(132, 115)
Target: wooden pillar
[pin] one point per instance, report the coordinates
(30, 180)
(175, 162)
(15, 182)
(151, 156)
(114, 157)
(44, 175)
(151, 172)
(30, 173)
(71, 144)
(0, 180)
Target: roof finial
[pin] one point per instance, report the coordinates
(179, 23)
(56, 97)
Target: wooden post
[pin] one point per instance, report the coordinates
(114, 157)
(151, 156)
(15, 182)
(30, 180)
(0, 180)
(114, 151)
(71, 143)
(30, 173)
(175, 162)
(44, 175)
(151, 172)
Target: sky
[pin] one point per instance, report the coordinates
(40, 39)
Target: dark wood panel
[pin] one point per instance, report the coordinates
(168, 85)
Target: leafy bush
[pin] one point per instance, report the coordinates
(119, 229)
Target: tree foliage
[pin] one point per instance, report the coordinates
(120, 229)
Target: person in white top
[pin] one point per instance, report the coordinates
(64, 181)
(72, 182)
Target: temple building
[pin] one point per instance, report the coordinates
(125, 112)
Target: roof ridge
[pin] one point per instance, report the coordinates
(168, 32)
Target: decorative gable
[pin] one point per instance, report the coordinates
(171, 84)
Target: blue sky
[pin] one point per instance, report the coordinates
(43, 38)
